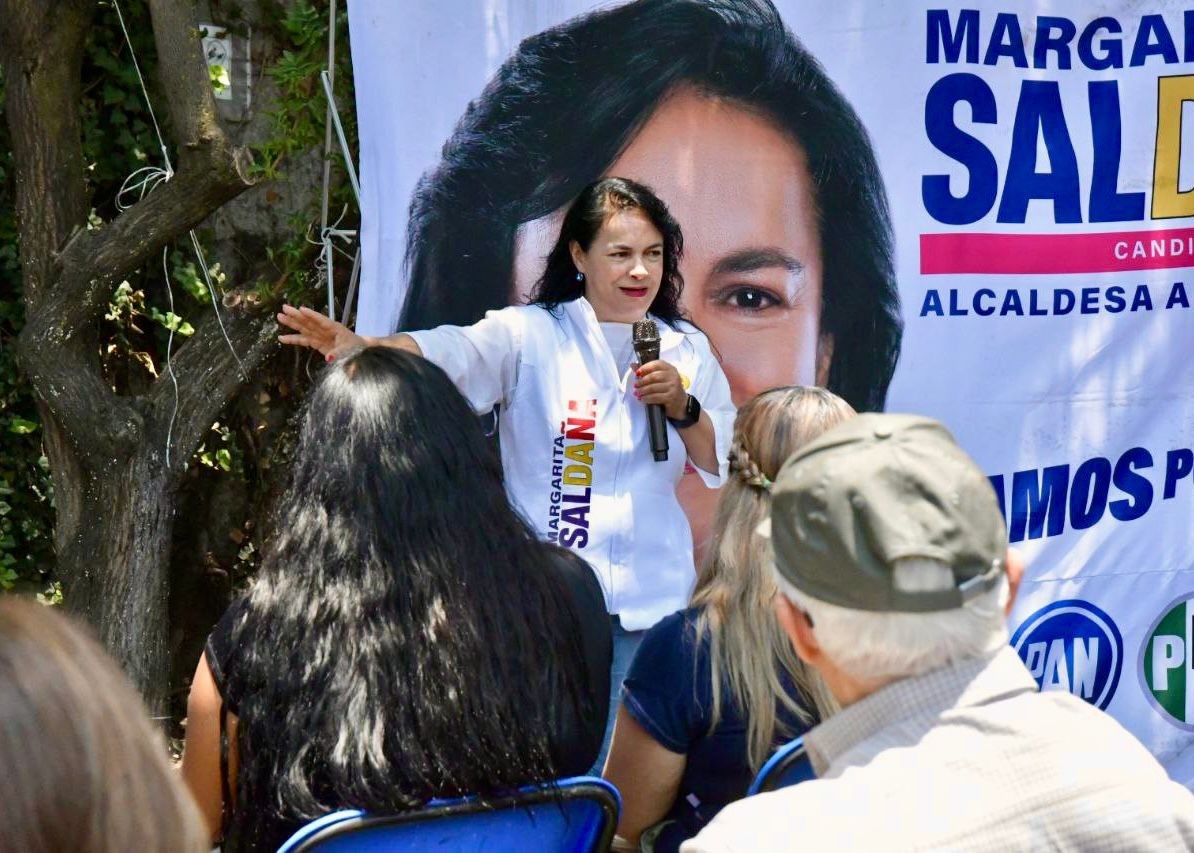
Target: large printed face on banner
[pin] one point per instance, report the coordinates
(740, 188)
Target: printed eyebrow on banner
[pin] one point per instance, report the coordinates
(750, 260)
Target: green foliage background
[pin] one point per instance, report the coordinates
(118, 139)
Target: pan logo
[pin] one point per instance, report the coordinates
(1074, 646)
(1166, 665)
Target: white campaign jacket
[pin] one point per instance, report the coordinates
(574, 443)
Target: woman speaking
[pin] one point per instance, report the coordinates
(574, 443)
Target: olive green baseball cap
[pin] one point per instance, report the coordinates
(877, 489)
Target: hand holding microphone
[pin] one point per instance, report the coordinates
(657, 384)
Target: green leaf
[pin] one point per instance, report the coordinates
(20, 426)
(172, 322)
(52, 597)
(218, 75)
(112, 95)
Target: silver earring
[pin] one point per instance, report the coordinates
(580, 276)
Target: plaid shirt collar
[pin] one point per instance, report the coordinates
(916, 704)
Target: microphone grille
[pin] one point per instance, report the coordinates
(645, 330)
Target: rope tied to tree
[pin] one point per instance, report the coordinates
(141, 183)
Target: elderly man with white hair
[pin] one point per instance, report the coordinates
(892, 561)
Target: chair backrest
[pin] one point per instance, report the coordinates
(788, 765)
(577, 814)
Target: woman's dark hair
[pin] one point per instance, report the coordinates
(385, 653)
(595, 204)
(566, 104)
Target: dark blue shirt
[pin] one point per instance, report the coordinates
(669, 692)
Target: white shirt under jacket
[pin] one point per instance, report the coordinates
(574, 443)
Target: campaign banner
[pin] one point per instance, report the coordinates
(993, 200)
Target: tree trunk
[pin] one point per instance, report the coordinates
(114, 490)
(118, 565)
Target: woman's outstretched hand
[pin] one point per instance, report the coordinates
(318, 332)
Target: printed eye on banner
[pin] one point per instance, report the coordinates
(1167, 663)
(1074, 646)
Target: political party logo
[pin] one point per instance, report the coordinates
(1074, 646)
(1166, 665)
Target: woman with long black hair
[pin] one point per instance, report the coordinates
(407, 637)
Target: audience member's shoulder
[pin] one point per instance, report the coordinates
(672, 642)
(222, 650)
(577, 576)
(675, 630)
(568, 564)
(1086, 725)
(772, 821)
(237, 610)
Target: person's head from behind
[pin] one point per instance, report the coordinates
(84, 768)
(735, 583)
(620, 248)
(890, 552)
(716, 106)
(383, 654)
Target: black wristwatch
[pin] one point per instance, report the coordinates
(692, 414)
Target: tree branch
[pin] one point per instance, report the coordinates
(208, 374)
(210, 171)
(185, 80)
(41, 50)
(61, 361)
(41, 47)
(95, 260)
(58, 345)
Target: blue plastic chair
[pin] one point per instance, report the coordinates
(788, 765)
(577, 814)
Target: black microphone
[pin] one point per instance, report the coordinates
(646, 348)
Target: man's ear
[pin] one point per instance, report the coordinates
(796, 625)
(824, 358)
(1014, 563)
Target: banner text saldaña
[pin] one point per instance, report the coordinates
(1040, 118)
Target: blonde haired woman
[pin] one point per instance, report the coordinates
(715, 688)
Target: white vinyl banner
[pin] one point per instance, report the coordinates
(1035, 160)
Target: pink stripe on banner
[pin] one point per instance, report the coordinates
(1026, 254)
